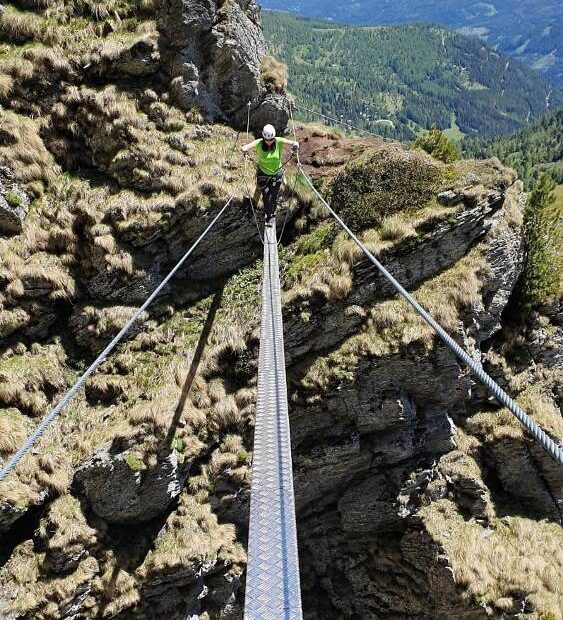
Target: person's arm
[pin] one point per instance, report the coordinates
(250, 145)
(293, 143)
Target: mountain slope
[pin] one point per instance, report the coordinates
(532, 150)
(529, 30)
(414, 75)
(135, 504)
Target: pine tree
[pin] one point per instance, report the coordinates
(544, 235)
(438, 145)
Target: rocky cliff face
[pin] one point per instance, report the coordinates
(215, 58)
(417, 497)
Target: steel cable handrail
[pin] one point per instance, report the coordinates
(536, 431)
(47, 421)
(349, 125)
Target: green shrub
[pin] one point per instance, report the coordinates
(243, 455)
(437, 144)
(317, 240)
(134, 463)
(274, 74)
(13, 199)
(544, 266)
(301, 265)
(382, 183)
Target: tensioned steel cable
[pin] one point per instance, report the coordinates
(536, 431)
(292, 191)
(47, 421)
(349, 125)
(250, 198)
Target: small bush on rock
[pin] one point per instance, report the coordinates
(274, 74)
(436, 144)
(13, 199)
(382, 183)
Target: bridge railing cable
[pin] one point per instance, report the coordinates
(532, 427)
(344, 123)
(48, 420)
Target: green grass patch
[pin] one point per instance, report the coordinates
(13, 199)
(454, 133)
(319, 239)
(300, 266)
(134, 463)
(243, 291)
(243, 456)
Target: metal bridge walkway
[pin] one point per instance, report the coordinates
(272, 581)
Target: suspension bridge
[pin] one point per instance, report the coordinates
(272, 582)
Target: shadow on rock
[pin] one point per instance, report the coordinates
(114, 482)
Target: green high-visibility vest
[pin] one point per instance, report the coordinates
(270, 162)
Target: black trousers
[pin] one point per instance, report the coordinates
(270, 188)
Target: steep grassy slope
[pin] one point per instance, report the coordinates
(529, 30)
(534, 149)
(135, 504)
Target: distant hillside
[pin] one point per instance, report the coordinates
(535, 149)
(414, 75)
(529, 30)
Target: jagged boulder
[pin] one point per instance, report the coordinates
(120, 489)
(14, 203)
(215, 53)
(10, 513)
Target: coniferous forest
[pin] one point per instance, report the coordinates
(414, 75)
(535, 149)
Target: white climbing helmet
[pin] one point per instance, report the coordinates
(269, 132)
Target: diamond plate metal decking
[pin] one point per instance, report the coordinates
(272, 581)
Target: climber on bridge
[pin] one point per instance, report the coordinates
(270, 168)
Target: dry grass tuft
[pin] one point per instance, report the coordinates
(25, 380)
(119, 591)
(191, 536)
(20, 26)
(14, 429)
(6, 85)
(274, 74)
(394, 325)
(519, 559)
(65, 530)
(49, 59)
(27, 594)
(225, 415)
(23, 151)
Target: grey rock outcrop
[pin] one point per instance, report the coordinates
(10, 513)
(14, 203)
(438, 250)
(214, 56)
(119, 491)
(369, 454)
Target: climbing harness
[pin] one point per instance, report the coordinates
(269, 179)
